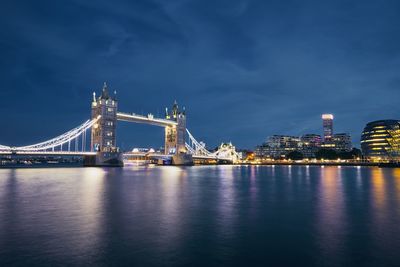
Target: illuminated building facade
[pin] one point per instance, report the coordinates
(175, 135)
(380, 140)
(311, 143)
(342, 142)
(278, 146)
(327, 124)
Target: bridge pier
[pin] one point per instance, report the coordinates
(182, 159)
(104, 159)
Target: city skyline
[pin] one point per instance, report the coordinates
(244, 71)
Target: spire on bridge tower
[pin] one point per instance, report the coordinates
(175, 110)
(166, 113)
(104, 93)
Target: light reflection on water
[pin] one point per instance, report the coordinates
(211, 215)
(331, 224)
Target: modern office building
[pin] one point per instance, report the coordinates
(342, 142)
(380, 140)
(310, 144)
(314, 140)
(278, 146)
(327, 124)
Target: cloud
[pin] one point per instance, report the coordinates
(243, 69)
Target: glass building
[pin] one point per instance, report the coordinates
(380, 140)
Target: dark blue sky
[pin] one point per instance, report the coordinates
(244, 69)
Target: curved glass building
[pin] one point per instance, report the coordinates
(380, 140)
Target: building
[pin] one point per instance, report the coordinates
(380, 140)
(310, 143)
(327, 124)
(342, 142)
(278, 146)
(313, 140)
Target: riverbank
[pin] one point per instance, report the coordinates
(332, 163)
(275, 163)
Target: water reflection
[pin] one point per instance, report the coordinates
(331, 224)
(359, 177)
(171, 220)
(41, 207)
(8, 208)
(89, 218)
(396, 176)
(378, 190)
(226, 202)
(157, 216)
(253, 183)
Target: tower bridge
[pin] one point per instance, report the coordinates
(103, 149)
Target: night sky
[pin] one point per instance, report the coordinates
(244, 70)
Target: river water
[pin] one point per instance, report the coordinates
(200, 216)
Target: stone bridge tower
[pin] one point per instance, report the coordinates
(175, 136)
(103, 137)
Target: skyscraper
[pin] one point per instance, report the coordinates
(327, 124)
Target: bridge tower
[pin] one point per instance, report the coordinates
(175, 136)
(103, 138)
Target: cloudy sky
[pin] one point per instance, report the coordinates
(243, 69)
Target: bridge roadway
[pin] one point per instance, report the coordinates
(149, 119)
(158, 155)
